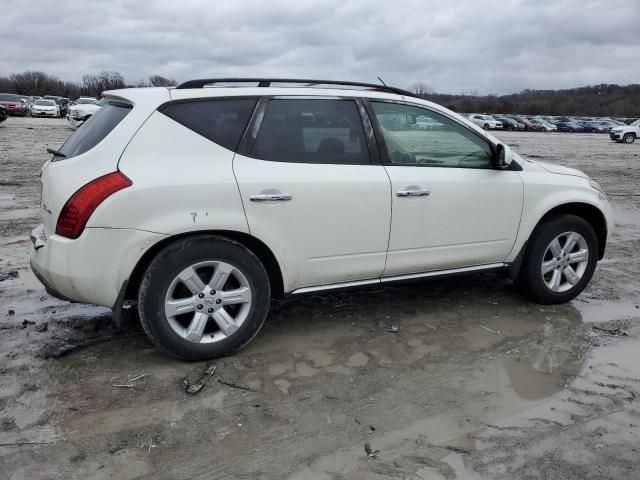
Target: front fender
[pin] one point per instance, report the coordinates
(545, 192)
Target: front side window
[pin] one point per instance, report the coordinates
(446, 144)
(312, 131)
(94, 130)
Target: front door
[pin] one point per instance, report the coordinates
(312, 193)
(451, 207)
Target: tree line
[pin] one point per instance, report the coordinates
(41, 83)
(605, 100)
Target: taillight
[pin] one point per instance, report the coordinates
(82, 204)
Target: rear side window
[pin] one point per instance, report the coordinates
(312, 131)
(94, 130)
(221, 121)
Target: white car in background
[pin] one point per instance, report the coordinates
(202, 203)
(82, 110)
(626, 133)
(487, 122)
(45, 108)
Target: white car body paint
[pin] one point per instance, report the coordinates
(336, 228)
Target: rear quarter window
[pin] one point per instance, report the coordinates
(222, 121)
(94, 130)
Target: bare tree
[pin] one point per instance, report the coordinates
(159, 81)
(422, 89)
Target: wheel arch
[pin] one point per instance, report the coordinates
(592, 214)
(256, 246)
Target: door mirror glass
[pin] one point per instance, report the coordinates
(504, 156)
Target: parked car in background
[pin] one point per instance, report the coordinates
(543, 125)
(528, 125)
(62, 102)
(12, 104)
(45, 108)
(3, 114)
(485, 121)
(509, 123)
(627, 133)
(570, 127)
(204, 204)
(82, 110)
(607, 124)
(593, 127)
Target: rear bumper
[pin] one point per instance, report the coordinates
(92, 268)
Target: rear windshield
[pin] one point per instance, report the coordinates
(94, 130)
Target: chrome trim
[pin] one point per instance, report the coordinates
(396, 278)
(413, 193)
(333, 286)
(280, 197)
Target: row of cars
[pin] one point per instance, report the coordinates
(76, 111)
(547, 123)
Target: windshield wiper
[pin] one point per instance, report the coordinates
(56, 153)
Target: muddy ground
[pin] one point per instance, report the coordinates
(478, 382)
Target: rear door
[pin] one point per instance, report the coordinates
(314, 190)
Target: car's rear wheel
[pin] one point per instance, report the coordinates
(629, 138)
(204, 297)
(560, 260)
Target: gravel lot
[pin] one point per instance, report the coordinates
(478, 383)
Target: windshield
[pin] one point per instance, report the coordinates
(48, 103)
(636, 123)
(86, 101)
(7, 97)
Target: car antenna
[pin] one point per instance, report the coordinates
(382, 81)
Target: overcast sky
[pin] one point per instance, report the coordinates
(492, 46)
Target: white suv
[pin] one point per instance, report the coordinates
(204, 202)
(626, 133)
(485, 121)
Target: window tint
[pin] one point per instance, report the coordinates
(312, 131)
(418, 136)
(221, 121)
(94, 130)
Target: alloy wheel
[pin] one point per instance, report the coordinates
(207, 302)
(564, 262)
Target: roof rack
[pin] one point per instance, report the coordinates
(266, 82)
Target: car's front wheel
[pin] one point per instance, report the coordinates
(629, 138)
(204, 297)
(560, 259)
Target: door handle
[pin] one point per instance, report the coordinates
(413, 193)
(270, 197)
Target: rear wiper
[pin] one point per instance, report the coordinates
(56, 153)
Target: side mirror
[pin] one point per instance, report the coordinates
(504, 156)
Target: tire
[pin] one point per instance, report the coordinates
(539, 249)
(629, 138)
(207, 256)
(486, 126)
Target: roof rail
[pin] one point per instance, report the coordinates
(266, 82)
